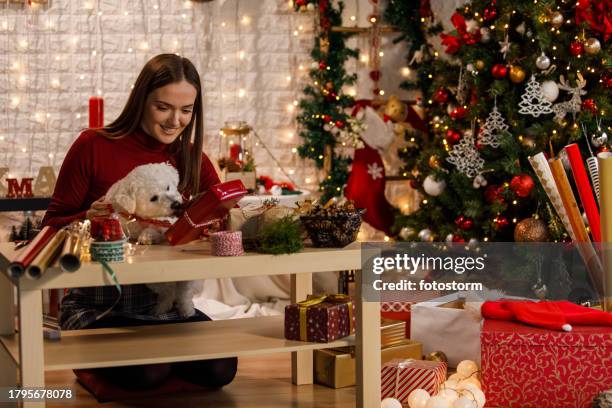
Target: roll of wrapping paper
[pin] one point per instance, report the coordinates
(584, 190)
(605, 175)
(70, 257)
(542, 170)
(46, 256)
(586, 250)
(594, 172)
(25, 257)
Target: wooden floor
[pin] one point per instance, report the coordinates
(261, 382)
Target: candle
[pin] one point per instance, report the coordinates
(96, 112)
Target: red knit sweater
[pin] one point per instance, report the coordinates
(94, 163)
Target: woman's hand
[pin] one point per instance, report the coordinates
(99, 208)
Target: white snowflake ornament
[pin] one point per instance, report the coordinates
(375, 171)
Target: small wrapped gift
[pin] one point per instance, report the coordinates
(320, 319)
(206, 209)
(400, 377)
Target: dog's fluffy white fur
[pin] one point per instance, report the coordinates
(151, 191)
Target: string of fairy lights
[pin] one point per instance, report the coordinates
(87, 40)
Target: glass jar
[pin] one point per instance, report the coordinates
(236, 149)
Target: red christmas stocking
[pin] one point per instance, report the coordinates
(366, 186)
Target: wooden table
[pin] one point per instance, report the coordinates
(25, 353)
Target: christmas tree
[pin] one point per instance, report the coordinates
(322, 113)
(514, 79)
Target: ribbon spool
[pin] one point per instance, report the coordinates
(227, 243)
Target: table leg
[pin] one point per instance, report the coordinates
(8, 367)
(301, 361)
(367, 342)
(31, 353)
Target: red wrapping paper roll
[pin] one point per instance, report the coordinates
(209, 207)
(584, 190)
(27, 255)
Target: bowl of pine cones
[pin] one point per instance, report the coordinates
(331, 225)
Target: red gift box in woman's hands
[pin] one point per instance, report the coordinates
(205, 210)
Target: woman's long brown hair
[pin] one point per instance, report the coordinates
(160, 71)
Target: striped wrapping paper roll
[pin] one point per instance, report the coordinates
(400, 377)
(227, 243)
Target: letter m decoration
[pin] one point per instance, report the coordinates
(16, 190)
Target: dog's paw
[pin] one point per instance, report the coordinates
(163, 307)
(185, 309)
(149, 236)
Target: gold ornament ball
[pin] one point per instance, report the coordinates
(437, 356)
(556, 19)
(531, 230)
(592, 46)
(434, 161)
(480, 65)
(517, 74)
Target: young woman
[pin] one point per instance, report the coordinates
(162, 121)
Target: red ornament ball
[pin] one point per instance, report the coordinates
(589, 105)
(441, 96)
(459, 112)
(458, 239)
(339, 124)
(606, 79)
(326, 118)
(300, 2)
(500, 222)
(603, 149)
(459, 220)
(322, 65)
(490, 13)
(452, 136)
(522, 185)
(576, 48)
(499, 71)
(493, 194)
(375, 75)
(331, 96)
(414, 183)
(467, 224)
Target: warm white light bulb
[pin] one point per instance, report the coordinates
(307, 180)
(241, 93)
(246, 20)
(294, 150)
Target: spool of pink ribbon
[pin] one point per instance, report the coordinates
(227, 243)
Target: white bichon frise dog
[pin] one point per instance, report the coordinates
(147, 200)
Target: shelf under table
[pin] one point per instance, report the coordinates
(168, 343)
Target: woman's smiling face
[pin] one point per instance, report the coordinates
(168, 111)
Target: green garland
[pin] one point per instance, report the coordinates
(495, 209)
(324, 102)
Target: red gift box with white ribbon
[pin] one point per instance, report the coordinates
(400, 377)
(210, 207)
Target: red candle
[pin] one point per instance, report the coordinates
(96, 112)
(235, 151)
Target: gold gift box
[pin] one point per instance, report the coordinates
(392, 332)
(335, 367)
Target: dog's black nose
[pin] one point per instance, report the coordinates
(176, 205)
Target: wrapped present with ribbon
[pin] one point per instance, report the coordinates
(400, 377)
(208, 208)
(320, 319)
